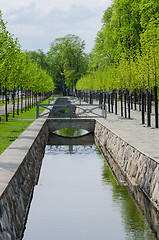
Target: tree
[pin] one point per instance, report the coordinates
(103, 51)
(149, 11)
(17, 71)
(117, 43)
(8, 49)
(39, 57)
(67, 60)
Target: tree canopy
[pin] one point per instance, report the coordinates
(126, 51)
(67, 60)
(125, 54)
(16, 68)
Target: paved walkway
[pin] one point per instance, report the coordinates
(10, 107)
(143, 138)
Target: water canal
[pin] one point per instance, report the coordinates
(78, 198)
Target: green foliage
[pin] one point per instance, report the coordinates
(126, 51)
(10, 130)
(39, 57)
(70, 132)
(150, 41)
(67, 60)
(16, 69)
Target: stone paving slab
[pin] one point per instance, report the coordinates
(143, 138)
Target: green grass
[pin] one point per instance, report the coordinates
(9, 131)
(3, 103)
(29, 114)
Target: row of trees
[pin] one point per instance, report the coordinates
(125, 56)
(17, 71)
(126, 52)
(36, 71)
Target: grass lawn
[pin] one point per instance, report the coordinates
(10, 130)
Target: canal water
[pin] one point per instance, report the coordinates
(77, 198)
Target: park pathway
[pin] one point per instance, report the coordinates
(132, 131)
(10, 107)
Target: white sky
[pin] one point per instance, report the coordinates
(37, 23)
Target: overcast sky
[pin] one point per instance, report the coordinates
(37, 23)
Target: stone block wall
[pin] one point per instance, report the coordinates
(138, 169)
(15, 200)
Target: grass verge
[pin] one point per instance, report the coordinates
(11, 130)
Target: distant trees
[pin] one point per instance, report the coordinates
(39, 57)
(67, 61)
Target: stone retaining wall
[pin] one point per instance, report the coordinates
(15, 200)
(22, 173)
(138, 169)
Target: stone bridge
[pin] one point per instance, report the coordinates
(54, 139)
(82, 123)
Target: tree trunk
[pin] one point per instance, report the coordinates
(13, 101)
(112, 101)
(121, 99)
(116, 110)
(18, 103)
(156, 106)
(140, 101)
(128, 94)
(109, 102)
(143, 108)
(135, 99)
(21, 101)
(125, 104)
(131, 100)
(148, 110)
(6, 111)
(25, 101)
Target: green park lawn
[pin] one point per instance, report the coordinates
(10, 130)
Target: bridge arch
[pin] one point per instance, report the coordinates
(57, 124)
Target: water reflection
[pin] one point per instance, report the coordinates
(147, 208)
(71, 132)
(78, 198)
(134, 224)
(71, 136)
(149, 212)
